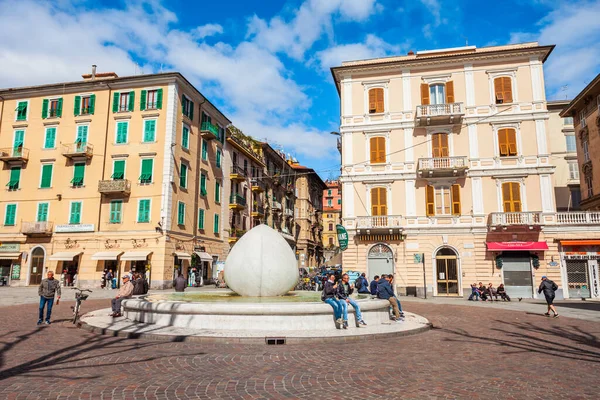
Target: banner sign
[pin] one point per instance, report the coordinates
(342, 235)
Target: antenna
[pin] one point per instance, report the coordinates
(564, 89)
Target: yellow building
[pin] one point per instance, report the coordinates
(332, 212)
(121, 173)
(448, 175)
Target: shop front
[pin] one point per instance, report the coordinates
(181, 264)
(10, 257)
(203, 265)
(579, 259)
(67, 266)
(137, 261)
(107, 261)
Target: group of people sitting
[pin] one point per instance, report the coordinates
(487, 292)
(130, 287)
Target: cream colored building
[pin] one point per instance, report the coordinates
(448, 175)
(110, 172)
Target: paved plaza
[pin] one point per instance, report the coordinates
(472, 352)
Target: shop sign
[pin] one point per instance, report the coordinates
(418, 258)
(342, 235)
(10, 247)
(68, 228)
(582, 255)
(16, 272)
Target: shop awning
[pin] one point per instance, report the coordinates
(517, 246)
(64, 256)
(9, 256)
(204, 256)
(182, 256)
(580, 242)
(135, 255)
(106, 255)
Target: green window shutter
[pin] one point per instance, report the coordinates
(45, 108)
(183, 175)
(131, 100)
(218, 158)
(183, 103)
(203, 185)
(75, 217)
(191, 110)
(18, 139)
(200, 218)
(92, 103)
(50, 140)
(15, 178)
(181, 213)
(78, 174)
(204, 150)
(11, 215)
(122, 132)
(144, 210)
(216, 224)
(82, 134)
(115, 102)
(159, 97)
(185, 138)
(59, 109)
(42, 212)
(118, 169)
(46, 176)
(217, 192)
(149, 130)
(115, 211)
(146, 175)
(143, 100)
(22, 111)
(77, 106)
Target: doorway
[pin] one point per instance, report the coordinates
(516, 269)
(380, 260)
(38, 258)
(578, 279)
(446, 272)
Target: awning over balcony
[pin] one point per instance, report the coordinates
(516, 246)
(64, 256)
(9, 256)
(182, 256)
(106, 255)
(204, 256)
(580, 242)
(135, 255)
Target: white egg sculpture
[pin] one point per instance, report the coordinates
(261, 264)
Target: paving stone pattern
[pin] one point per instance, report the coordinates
(472, 352)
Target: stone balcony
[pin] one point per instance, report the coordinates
(437, 167)
(515, 219)
(276, 206)
(440, 114)
(14, 155)
(117, 186)
(43, 228)
(379, 222)
(78, 150)
(237, 173)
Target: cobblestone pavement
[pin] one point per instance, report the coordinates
(472, 352)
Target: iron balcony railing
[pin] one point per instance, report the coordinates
(209, 131)
(237, 199)
(14, 154)
(82, 149)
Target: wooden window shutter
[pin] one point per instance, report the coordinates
(143, 100)
(435, 145)
(502, 142)
(59, 108)
(159, 98)
(511, 197)
(424, 94)
(77, 105)
(511, 139)
(377, 150)
(92, 103)
(516, 196)
(375, 201)
(131, 100)
(506, 198)
(449, 92)
(429, 201)
(380, 105)
(44, 108)
(378, 201)
(456, 199)
(507, 90)
(376, 100)
(443, 145)
(115, 107)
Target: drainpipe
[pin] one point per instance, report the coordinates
(108, 112)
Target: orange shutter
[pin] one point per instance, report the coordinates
(443, 145)
(429, 201)
(378, 201)
(456, 199)
(503, 142)
(377, 150)
(374, 151)
(511, 139)
(435, 145)
(498, 90)
(379, 107)
(516, 196)
(449, 92)
(381, 147)
(424, 94)
(507, 90)
(511, 196)
(372, 101)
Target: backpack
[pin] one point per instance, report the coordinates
(358, 283)
(554, 286)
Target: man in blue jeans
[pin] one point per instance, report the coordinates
(344, 291)
(329, 297)
(48, 287)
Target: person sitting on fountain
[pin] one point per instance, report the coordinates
(329, 297)
(125, 292)
(344, 291)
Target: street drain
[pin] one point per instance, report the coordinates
(275, 340)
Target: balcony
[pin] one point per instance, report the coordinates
(78, 150)
(235, 235)
(14, 154)
(237, 173)
(258, 211)
(237, 202)
(440, 114)
(578, 218)
(379, 222)
(289, 213)
(289, 189)
(119, 186)
(37, 228)
(515, 219)
(258, 186)
(276, 206)
(443, 167)
(209, 131)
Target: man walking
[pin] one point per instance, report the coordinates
(344, 291)
(125, 292)
(549, 288)
(328, 296)
(48, 287)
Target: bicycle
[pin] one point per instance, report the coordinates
(79, 297)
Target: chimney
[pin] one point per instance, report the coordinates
(411, 53)
(94, 72)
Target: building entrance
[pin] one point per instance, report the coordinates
(578, 279)
(37, 266)
(446, 272)
(380, 260)
(518, 280)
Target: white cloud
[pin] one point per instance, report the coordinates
(207, 30)
(435, 9)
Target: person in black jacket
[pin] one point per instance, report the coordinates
(385, 292)
(374, 285)
(344, 290)
(329, 297)
(549, 288)
(362, 284)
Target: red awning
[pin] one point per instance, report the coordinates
(517, 246)
(580, 242)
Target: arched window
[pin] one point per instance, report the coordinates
(507, 142)
(377, 145)
(330, 226)
(511, 197)
(503, 90)
(376, 101)
(378, 201)
(439, 145)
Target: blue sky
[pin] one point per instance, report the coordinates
(266, 63)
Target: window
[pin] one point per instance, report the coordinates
(122, 128)
(123, 102)
(151, 99)
(377, 150)
(143, 210)
(331, 241)
(185, 137)
(503, 90)
(187, 107)
(378, 201)
(180, 213)
(75, 213)
(149, 130)
(15, 178)
(590, 186)
(82, 137)
(218, 158)
(221, 134)
(78, 174)
(116, 207)
(339, 201)
(329, 202)
(568, 121)
(443, 200)
(204, 150)
(330, 227)
(376, 104)
(52, 108)
(511, 197)
(42, 212)
(507, 142)
(216, 224)
(118, 170)
(582, 118)
(575, 198)
(84, 105)
(439, 145)
(10, 215)
(574, 171)
(200, 219)
(217, 192)
(586, 150)
(571, 143)
(203, 185)
(50, 138)
(46, 180)
(437, 94)
(146, 171)
(21, 110)
(183, 170)
(18, 140)
(329, 192)
(246, 167)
